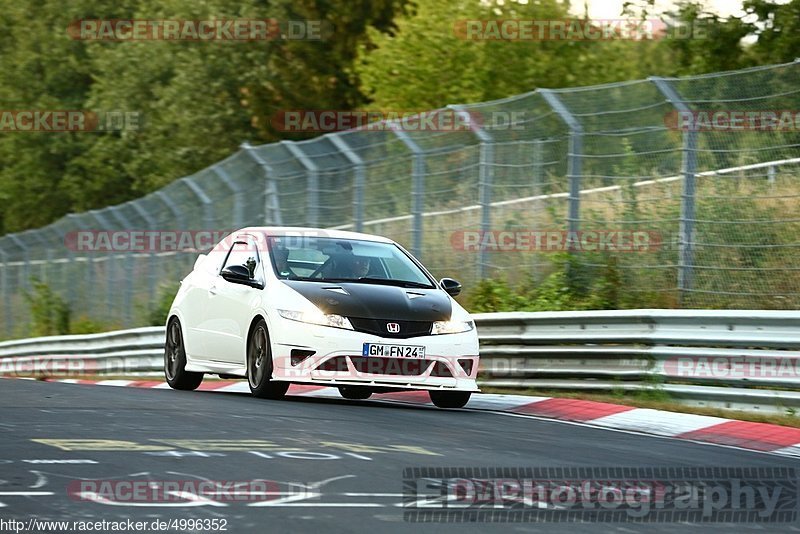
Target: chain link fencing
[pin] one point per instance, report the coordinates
(654, 178)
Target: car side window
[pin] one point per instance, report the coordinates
(245, 253)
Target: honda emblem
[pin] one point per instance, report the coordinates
(393, 328)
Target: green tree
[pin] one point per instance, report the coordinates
(778, 28)
(428, 63)
(199, 100)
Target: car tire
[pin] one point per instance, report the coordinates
(450, 399)
(259, 365)
(355, 392)
(175, 360)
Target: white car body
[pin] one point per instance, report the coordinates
(217, 317)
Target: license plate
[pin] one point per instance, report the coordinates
(393, 351)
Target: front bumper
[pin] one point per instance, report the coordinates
(337, 359)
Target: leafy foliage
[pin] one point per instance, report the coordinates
(50, 313)
(156, 315)
(571, 286)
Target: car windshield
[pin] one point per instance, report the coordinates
(325, 259)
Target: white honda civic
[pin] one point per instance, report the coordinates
(308, 306)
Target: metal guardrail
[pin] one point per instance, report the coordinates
(743, 359)
(134, 351)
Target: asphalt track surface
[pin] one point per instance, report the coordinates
(338, 465)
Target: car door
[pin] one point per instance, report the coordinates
(195, 303)
(231, 306)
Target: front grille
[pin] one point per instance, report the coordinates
(378, 327)
(337, 363)
(440, 369)
(389, 366)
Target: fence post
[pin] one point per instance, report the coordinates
(7, 313)
(574, 170)
(45, 263)
(170, 204)
(201, 196)
(485, 183)
(358, 182)
(151, 263)
(177, 214)
(127, 266)
(236, 189)
(312, 181)
(688, 170)
(272, 211)
(59, 244)
(89, 271)
(537, 167)
(104, 225)
(418, 188)
(22, 283)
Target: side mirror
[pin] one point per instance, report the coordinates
(199, 261)
(451, 287)
(239, 274)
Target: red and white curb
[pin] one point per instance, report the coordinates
(761, 437)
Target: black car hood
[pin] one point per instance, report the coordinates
(374, 301)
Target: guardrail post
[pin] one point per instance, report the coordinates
(688, 170)
(574, 163)
(272, 211)
(418, 188)
(312, 181)
(358, 182)
(485, 183)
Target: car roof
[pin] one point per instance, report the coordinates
(280, 231)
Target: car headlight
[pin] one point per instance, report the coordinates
(317, 317)
(452, 327)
